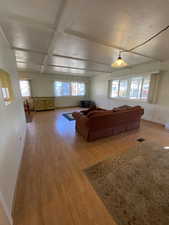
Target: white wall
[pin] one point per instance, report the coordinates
(42, 85)
(12, 130)
(154, 112)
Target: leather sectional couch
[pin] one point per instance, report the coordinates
(97, 122)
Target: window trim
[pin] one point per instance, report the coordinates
(129, 79)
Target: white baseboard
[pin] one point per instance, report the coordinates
(6, 210)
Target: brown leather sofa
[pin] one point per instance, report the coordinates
(97, 123)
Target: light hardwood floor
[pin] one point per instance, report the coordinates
(52, 187)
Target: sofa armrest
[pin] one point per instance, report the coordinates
(76, 115)
(82, 121)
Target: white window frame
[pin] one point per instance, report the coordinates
(129, 80)
(71, 95)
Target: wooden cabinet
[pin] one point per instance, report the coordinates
(43, 103)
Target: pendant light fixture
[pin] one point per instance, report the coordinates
(119, 62)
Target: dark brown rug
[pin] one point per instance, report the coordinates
(135, 186)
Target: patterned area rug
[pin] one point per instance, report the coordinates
(135, 186)
(68, 116)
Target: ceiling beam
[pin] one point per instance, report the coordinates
(77, 68)
(60, 56)
(57, 26)
(66, 67)
(104, 43)
(29, 50)
(81, 59)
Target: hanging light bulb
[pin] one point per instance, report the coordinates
(119, 62)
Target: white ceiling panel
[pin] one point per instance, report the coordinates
(66, 70)
(78, 64)
(33, 58)
(122, 23)
(27, 36)
(159, 47)
(74, 46)
(83, 37)
(43, 11)
(28, 67)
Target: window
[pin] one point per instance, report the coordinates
(6, 87)
(135, 87)
(131, 88)
(123, 88)
(145, 88)
(62, 88)
(114, 88)
(78, 89)
(69, 88)
(25, 88)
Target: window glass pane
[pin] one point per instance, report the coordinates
(62, 88)
(25, 88)
(5, 93)
(74, 89)
(135, 88)
(65, 89)
(145, 88)
(123, 88)
(82, 89)
(78, 89)
(58, 88)
(114, 88)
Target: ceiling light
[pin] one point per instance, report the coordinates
(119, 62)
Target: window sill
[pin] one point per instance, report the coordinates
(70, 96)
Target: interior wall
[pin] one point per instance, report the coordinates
(43, 86)
(154, 112)
(12, 130)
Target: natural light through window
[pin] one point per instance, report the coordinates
(69, 88)
(25, 88)
(6, 87)
(115, 88)
(135, 88)
(131, 88)
(123, 88)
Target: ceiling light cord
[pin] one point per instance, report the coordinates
(148, 40)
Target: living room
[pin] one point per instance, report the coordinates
(84, 112)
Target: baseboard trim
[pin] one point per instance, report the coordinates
(65, 107)
(153, 122)
(18, 175)
(6, 210)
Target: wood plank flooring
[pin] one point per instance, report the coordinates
(52, 188)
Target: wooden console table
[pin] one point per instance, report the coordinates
(43, 103)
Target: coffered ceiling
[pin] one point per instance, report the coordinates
(78, 37)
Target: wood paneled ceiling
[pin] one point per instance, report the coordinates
(80, 37)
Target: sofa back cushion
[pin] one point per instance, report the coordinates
(96, 112)
(109, 118)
